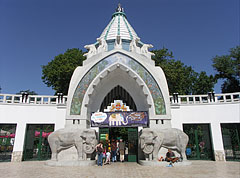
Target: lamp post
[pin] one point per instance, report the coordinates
(60, 98)
(211, 96)
(175, 97)
(24, 96)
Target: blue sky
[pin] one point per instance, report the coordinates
(32, 32)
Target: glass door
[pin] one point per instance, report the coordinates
(231, 141)
(132, 144)
(199, 146)
(36, 145)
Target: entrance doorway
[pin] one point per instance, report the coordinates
(129, 135)
(231, 141)
(36, 145)
(7, 137)
(199, 145)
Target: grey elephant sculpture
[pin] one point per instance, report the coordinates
(151, 141)
(84, 140)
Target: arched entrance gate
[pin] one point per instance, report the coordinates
(117, 94)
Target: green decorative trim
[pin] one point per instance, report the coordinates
(130, 33)
(118, 24)
(109, 28)
(118, 13)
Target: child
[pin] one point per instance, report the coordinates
(108, 155)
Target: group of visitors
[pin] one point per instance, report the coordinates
(115, 147)
(110, 150)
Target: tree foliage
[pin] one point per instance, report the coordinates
(181, 78)
(27, 91)
(57, 73)
(228, 69)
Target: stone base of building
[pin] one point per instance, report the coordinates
(71, 163)
(17, 156)
(219, 155)
(163, 163)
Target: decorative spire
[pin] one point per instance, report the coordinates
(119, 8)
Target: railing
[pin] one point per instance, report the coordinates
(32, 99)
(176, 99)
(203, 99)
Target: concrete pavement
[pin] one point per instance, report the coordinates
(198, 169)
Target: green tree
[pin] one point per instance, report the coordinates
(27, 91)
(204, 83)
(181, 78)
(228, 69)
(57, 73)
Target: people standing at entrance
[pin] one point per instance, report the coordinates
(114, 149)
(170, 157)
(121, 149)
(117, 152)
(104, 154)
(99, 150)
(108, 158)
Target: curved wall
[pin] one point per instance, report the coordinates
(92, 73)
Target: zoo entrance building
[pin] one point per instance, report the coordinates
(119, 81)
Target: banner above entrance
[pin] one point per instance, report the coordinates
(119, 119)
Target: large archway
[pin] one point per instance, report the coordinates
(118, 76)
(118, 93)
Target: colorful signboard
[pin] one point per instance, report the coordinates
(119, 119)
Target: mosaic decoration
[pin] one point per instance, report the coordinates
(83, 85)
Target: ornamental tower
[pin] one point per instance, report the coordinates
(118, 67)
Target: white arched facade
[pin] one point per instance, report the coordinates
(119, 72)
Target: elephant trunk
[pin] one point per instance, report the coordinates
(88, 148)
(142, 144)
(148, 149)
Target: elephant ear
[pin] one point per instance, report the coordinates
(84, 134)
(155, 136)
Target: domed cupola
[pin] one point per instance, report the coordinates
(118, 34)
(119, 26)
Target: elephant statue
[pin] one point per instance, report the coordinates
(117, 120)
(84, 140)
(152, 140)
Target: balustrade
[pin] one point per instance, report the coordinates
(32, 99)
(177, 99)
(206, 99)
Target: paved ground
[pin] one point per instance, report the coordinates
(201, 169)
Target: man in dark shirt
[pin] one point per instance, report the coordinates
(114, 151)
(121, 149)
(170, 156)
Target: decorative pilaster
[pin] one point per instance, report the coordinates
(219, 155)
(17, 156)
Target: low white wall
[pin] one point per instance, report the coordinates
(209, 113)
(212, 114)
(23, 114)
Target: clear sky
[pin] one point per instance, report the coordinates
(32, 32)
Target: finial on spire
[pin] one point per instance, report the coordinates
(119, 8)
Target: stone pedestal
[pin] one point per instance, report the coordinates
(71, 163)
(219, 155)
(163, 163)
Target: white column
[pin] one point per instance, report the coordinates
(19, 142)
(218, 147)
